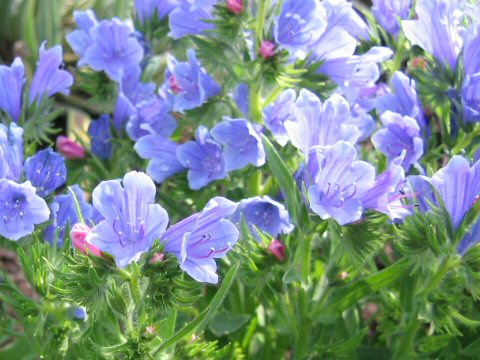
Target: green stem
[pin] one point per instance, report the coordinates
(301, 348)
(273, 95)
(132, 284)
(255, 100)
(260, 21)
(442, 270)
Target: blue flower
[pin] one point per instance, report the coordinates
(389, 13)
(49, 79)
(342, 14)
(191, 84)
(114, 48)
(436, 30)
(278, 113)
(242, 98)
(80, 40)
(64, 215)
(20, 210)
(162, 155)
(264, 213)
(320, 124)
(471, 98)
(203, 159)
(471, 238)
(299, 26)
(191, 18)
(46, 170)
(471, 51)
(242, 143)
(145, 9)
(11, 85)
(11, 143)
(398, 134)
(101, 137)
(339, 182)
(197, 240)
(132, 221)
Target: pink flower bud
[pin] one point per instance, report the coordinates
(277, 249)
(69, 148)
(156, 258)
(80, 235)
(267, 49)
(235, 6)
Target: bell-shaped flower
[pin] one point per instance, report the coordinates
(80, 39)
(21, 209)
(276, 114)
(471, 238)
(101, 137)
(389, 13)
(471, 51)
(197, 240)
(11, 85)
(132, 221)
(145, 9)
(11, 143)
(399, 133)
(242, 144)
(46, 171)
(203, 158)
(191, 17)
(471, 98)
(339, 182)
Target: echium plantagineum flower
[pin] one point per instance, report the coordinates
(265, 214)
(20, 209)
(399, 133)
(320, 124)
(471, 98)
(132, 221)
(80, 39)
(64, 215)
(197, 240)
(437, 30)
(389, 13)
(339, 182)
(242, 143)
(203, 158)
(299, 26)
(191, 17)
(46, 171)
(471, 238)
(101, 137)
(11, 144)
(145, 9)
(190, 83)
(162, 154)
(49, 78)
(276, 114)
(11, 85)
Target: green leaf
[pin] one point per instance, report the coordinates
(30, 33)
(472, 349)
(224, 323)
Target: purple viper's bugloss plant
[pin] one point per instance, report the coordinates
(101, 137)
(46, 171)
(203, 158)
(191, 17)
(132, 221)
(11, 144)
(20, 209)
(12, 79)
(241, 141)
(276, 114)
(339, 182)
(197, 240)
(399, 133)
(389, 13)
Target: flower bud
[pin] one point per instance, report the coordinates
(80, 235)
(277, 249)
(69, 148)
(267, 49)
(235, 6)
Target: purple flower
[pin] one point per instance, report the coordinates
(80, 40)
(278, 113)
(124, 109)
(11, 85)
(398, 134)
(46, 170)
(265, 214)
(471, 238)
(242, 143)
(242, 98)
(471, 51)
(389, 13)
(11, 143)
(436, 30)
(64, 215)
(339, 182)
(132, 220)
(101, 137)
(197, 240)
(404, 99)
(421, 190)
(190, 83)
(114, 48)
(320, 124)
(21, 209)
(145, 9)
(342, 15)
(191, 18)
(162, 155)
(471, 98)
(203, 159)
(299, 26)
(49, 79)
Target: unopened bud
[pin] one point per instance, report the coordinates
(80, 235)
(156, 258)
(235, 6)
(277, 249)
(69, 148)
(267, 49)
(419, 63)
